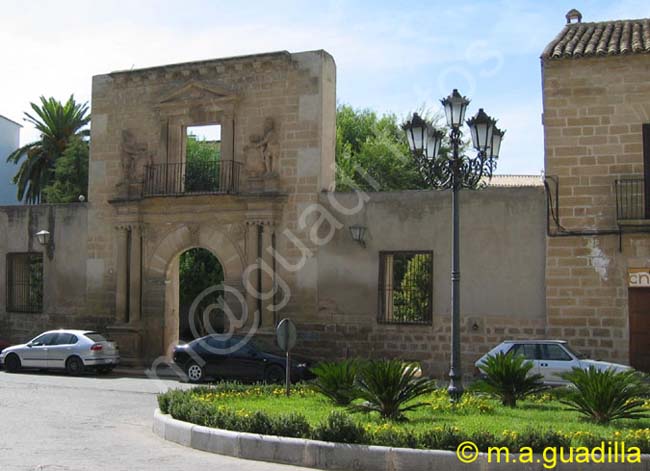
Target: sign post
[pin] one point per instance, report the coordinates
(286, 336)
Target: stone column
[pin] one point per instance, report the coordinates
(250, 284)
(135, 276)
(121, 275)
(227, 175)
(267, 275)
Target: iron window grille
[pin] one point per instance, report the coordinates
(405, 287)
(25, 282)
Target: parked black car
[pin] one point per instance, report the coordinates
(237, 358)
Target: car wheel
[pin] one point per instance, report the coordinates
(194, 373)
(74, 366)
(12, 363)
(274, 374)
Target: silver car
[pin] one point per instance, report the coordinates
(550, 358)
(70, 350)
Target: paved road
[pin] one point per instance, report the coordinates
(52, 422)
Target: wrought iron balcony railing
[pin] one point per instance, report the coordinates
(212, 177)
(631, 199)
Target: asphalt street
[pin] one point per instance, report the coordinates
(54, 422)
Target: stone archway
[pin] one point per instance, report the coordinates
(164, 264)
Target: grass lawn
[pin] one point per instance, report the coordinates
(474, 414)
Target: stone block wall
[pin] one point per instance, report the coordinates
(65, 274)
(502, 274)
(594, 109)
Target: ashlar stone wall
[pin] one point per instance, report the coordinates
(594, 109)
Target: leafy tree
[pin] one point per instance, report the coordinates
(70, 174)
(58, 123)
(198, 270)
(372, 153)
(202, 169)
(411, 302)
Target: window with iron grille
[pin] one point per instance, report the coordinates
(25, 282)
(405, 287)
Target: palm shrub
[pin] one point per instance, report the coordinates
(507, 378)
(336, 380)
(390, 387)
(606, 395)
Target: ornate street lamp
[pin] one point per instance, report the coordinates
(455, 172)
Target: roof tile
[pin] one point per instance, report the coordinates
(606, 38)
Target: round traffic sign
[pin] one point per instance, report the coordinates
(286, 334)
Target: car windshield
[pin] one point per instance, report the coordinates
(573, 352)
(95, 337)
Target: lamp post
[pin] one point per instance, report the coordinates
(455, 172)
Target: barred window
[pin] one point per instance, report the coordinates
(25, 282)
(405, 287)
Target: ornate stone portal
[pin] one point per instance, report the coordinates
(276, 114)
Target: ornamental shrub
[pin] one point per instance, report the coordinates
(391, 387)
(291, 425)
(605, 395)
(336, 380)
(339, 427)
(507, 376)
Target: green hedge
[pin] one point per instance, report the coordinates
(340, 427)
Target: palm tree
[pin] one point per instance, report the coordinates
(57, 123)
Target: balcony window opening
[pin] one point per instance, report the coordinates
(202, 157)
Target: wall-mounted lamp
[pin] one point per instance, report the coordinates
(45, 239)
(358, 234)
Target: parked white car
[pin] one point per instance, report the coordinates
(550, 358)
(70, 350)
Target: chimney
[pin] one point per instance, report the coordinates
(573, 16)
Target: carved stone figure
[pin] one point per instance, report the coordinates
(133, 153)
(267, 144)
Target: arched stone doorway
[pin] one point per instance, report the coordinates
(164, 264)
(200, 294)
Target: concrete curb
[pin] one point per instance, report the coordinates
(339, 456)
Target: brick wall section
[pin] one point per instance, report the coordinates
(593, 112)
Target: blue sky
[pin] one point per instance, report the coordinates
(390, 57)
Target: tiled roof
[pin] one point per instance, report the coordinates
(606, 38)
(515, 180)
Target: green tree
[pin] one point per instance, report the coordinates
(70, 174)
(198, 270)
(372, 153)
(58, 123)
(413, 298)
(202, 169)
(201, 150)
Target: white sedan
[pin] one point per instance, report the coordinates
(550, 358)
(70, 350)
